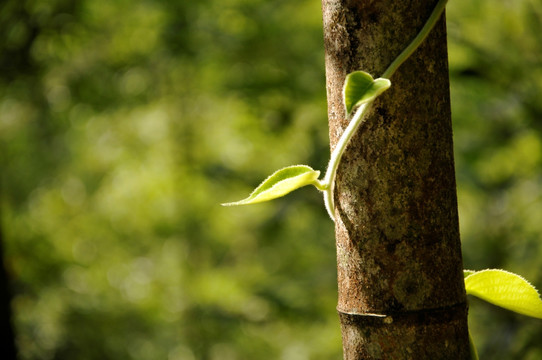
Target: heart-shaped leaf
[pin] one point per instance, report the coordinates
(280, 183)
(360, 87)
(505, 289)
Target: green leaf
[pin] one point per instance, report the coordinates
(360, 87)
(280, 183)
(505, 289)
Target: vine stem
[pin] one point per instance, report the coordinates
(416, 42)
(336, 156)
(327, 185)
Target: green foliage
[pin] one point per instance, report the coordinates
(502, 288)
(360, 88)
(280, 183)
(505, 289)
(497, 134)
(113, 158)
(122, 123)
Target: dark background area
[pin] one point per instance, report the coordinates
(124, 124)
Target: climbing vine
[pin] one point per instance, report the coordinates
(499, 287)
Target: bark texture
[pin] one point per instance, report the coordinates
(397, 232)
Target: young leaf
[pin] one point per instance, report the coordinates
(360, 87)
(280, 183)
(505, 289)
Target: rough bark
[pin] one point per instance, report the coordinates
(397, 232)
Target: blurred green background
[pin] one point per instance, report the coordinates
(123, 125)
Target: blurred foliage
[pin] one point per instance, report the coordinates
(495, 50)
(124, 124)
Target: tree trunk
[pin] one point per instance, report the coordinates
(401, 288)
